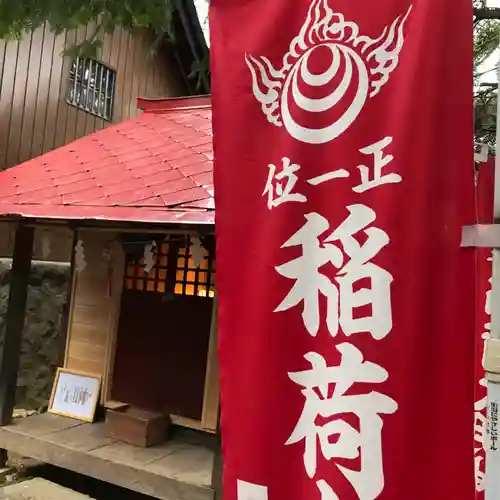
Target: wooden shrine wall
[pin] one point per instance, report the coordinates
(35, 117)
(95, 304)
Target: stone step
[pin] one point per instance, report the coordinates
(39, 489)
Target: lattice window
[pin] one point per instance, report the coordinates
(92, 87)
(192, 280)
(175, 270)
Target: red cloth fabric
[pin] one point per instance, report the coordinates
(343, 174)
(485, 192)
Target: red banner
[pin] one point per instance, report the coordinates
(485, 192)
(343, 175)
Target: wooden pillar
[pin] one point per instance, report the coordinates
(63, 336)
(14, 321)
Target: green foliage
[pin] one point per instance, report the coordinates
(19, 16)
(486, 42)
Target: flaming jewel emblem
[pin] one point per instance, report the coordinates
(360, 66)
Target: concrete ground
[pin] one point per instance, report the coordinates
(39, 489)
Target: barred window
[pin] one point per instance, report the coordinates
(175, 270)
(92, 87)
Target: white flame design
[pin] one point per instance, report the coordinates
(366, 63)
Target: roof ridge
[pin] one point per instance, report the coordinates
(166, 104)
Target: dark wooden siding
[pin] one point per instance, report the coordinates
(34, 115)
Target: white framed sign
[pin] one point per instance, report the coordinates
(75, 395)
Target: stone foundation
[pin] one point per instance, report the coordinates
(48, 288)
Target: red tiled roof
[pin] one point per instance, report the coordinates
(156, 168)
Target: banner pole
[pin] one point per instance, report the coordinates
(492, 357)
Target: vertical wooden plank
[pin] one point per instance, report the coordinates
(6, 92)
(146, 46)
(74, 112)
(42, 98)
(82, 116)
(30, 101)
(74, 285)
(120, 75)
(137, 70)
(150, 77)
(3, 48)
(162, 78)
(118, 272)
(154, 82)
(110, 51)
(80, 123)
(18, 100)
(128, 72)
(62, 105)
(113, 64)
(68, 305)
(90, 120)
(14, 321)
(54, 93)
(211, 394)
(106, 57)
(114, 55)
(6, 230)
(159, 84)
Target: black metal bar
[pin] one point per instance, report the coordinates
(14, 321)
(187, 257)
(210, 271)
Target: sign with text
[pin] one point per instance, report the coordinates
(75, 395)
(343, 175)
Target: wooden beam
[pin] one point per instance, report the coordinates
(14, 321)
(68, 305)
(210, 414)
(118, 272)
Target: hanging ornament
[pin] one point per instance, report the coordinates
(80, 262)
(197, 251)
(149, 256)
(46, 250)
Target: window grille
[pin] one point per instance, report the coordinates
(174, 272)
(92, 87)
